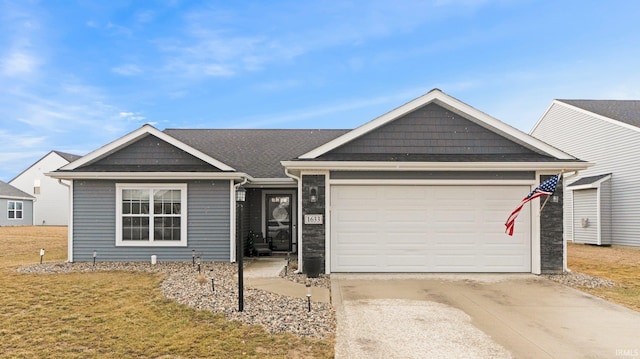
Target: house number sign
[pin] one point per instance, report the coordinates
(312, 219)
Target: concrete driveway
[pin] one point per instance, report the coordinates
(485, 315)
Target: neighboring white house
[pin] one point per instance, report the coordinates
(52, 199)
(601, 204)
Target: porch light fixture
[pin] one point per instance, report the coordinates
(313, 194)
(241, 194)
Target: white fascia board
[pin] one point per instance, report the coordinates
(150, 175)
(271, 183)
(452, 104)
(18, 198)
(135, 135)
(434, 166)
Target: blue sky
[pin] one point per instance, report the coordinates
(75, 75)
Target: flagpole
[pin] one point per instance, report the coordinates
(544, 204)
(549, 196)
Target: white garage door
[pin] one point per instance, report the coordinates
(428, 229)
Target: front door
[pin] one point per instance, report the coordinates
(278, 218)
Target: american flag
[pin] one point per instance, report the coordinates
(546, 188)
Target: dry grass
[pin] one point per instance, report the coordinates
(620, 264)
(115, 315)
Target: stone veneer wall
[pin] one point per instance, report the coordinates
(551, 232)
(313, 235)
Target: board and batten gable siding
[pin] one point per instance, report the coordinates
(27, 213)
(94, 224)
(614, 149)
(585, 216)
(431, 129)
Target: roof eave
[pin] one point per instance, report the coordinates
(67, 175)
(434, 166)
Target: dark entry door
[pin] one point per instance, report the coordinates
(278, 218)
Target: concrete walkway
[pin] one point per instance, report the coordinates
(264, 273)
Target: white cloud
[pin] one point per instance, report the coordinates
(131, 116)
(145, 16)
(127, 70)
(18, 63)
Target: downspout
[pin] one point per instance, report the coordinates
(235, 213)
(299, 214)
(69, 223)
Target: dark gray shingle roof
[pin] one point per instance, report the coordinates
(8, 191)
(627, 111)
(589, 180)
(256, 152)
(67, 156)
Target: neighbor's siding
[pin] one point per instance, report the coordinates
(27, 213)
(94, 224)
(605, 212)
(614, 149)
(52, 203)
(585, 208)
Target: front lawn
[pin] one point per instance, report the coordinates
(620, 264)
(115, 314)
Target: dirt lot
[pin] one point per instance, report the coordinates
(620, 264)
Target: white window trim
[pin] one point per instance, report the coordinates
(151, 243)
(15, 211)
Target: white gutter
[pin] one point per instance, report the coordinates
(299, 214)
(70, 223)
(149, 175)
(434, 166)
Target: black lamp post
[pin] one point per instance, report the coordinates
(241, 194)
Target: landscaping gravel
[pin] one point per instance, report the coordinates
(322, 281)
(183, 284)
(575, 279)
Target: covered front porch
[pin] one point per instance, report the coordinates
(268, 216)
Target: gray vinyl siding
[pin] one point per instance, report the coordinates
(94, 224)
(27, 213)
(432, 129)
(614, 149)
(585, 208)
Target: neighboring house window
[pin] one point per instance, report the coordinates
(36, 186)
(151, 214)
(14, 210)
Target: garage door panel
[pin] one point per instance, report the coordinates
(427, 229)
